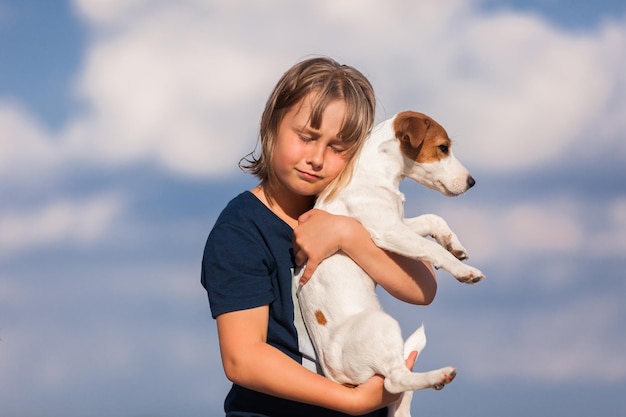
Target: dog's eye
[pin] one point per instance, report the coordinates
(444, 149)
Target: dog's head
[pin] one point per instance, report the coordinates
(428, 157)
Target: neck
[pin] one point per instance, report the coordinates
(287, 207)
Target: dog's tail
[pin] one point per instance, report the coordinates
(415, 342)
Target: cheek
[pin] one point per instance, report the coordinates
(287, 152)
(335, 163)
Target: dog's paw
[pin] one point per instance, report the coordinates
(442, 377)
(469, 275)
(452, 244)
(459, 252)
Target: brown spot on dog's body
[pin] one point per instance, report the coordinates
(421, 138)
(321, 319)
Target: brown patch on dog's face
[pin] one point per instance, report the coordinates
(421, 138)
(321, 319)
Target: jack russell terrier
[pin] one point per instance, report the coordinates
(352, 336)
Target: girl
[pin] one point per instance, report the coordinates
(313, 125)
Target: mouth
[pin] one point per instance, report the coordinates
(307, 176)
(449, 193)
(449, 190)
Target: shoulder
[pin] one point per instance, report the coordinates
(245, 209)
(237, 219)
(246, 222)
(241, 207)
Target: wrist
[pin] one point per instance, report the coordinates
(366, 397)
(351, 234)
(354, 403)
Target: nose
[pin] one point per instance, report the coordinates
(315, 155)
(470, 182)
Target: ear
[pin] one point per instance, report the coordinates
(412, 130)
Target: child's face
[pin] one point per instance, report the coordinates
(306, 160)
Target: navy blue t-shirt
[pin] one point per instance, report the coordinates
(247, 263)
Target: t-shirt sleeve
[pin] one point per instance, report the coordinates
(236, 270)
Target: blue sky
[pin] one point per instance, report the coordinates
(121, 124)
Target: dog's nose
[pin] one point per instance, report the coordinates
(470, 182)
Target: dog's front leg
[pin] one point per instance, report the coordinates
(437, 228)
(398, 238)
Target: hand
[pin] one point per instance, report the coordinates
(371, 395)
(318, 235)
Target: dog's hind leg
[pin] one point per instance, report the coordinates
(364, 345)
(401, 379)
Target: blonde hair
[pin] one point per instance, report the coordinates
(329, 81)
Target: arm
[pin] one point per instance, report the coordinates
(250, 362)
(409, 280)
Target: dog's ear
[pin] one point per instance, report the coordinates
(412, 130)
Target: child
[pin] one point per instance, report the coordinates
(313, 125)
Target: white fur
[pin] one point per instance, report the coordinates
(356, 338)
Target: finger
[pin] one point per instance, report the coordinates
(308, 272)
(410, 361)
(304, 217)
(300, 257)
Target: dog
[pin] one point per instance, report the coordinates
(352, 336)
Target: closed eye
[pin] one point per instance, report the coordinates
(338, 146)
(305, 138)
(338, 149)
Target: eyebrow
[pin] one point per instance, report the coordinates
(315, 132)
(308, 130)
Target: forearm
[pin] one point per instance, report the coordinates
(407, 279)
(278, 375)
(250, 362)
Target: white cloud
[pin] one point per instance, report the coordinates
(609, 240)
(60, 221)
(517, 92)
(551, 227)
(11, 293)
(181, 84)
(110, 326)
(168, 88)
(556, 341)
(516, 89)
(543, 228)
(519, 231)
(110, 11)
(579, 341)
(26, 149)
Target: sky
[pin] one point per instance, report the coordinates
(121, 125)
